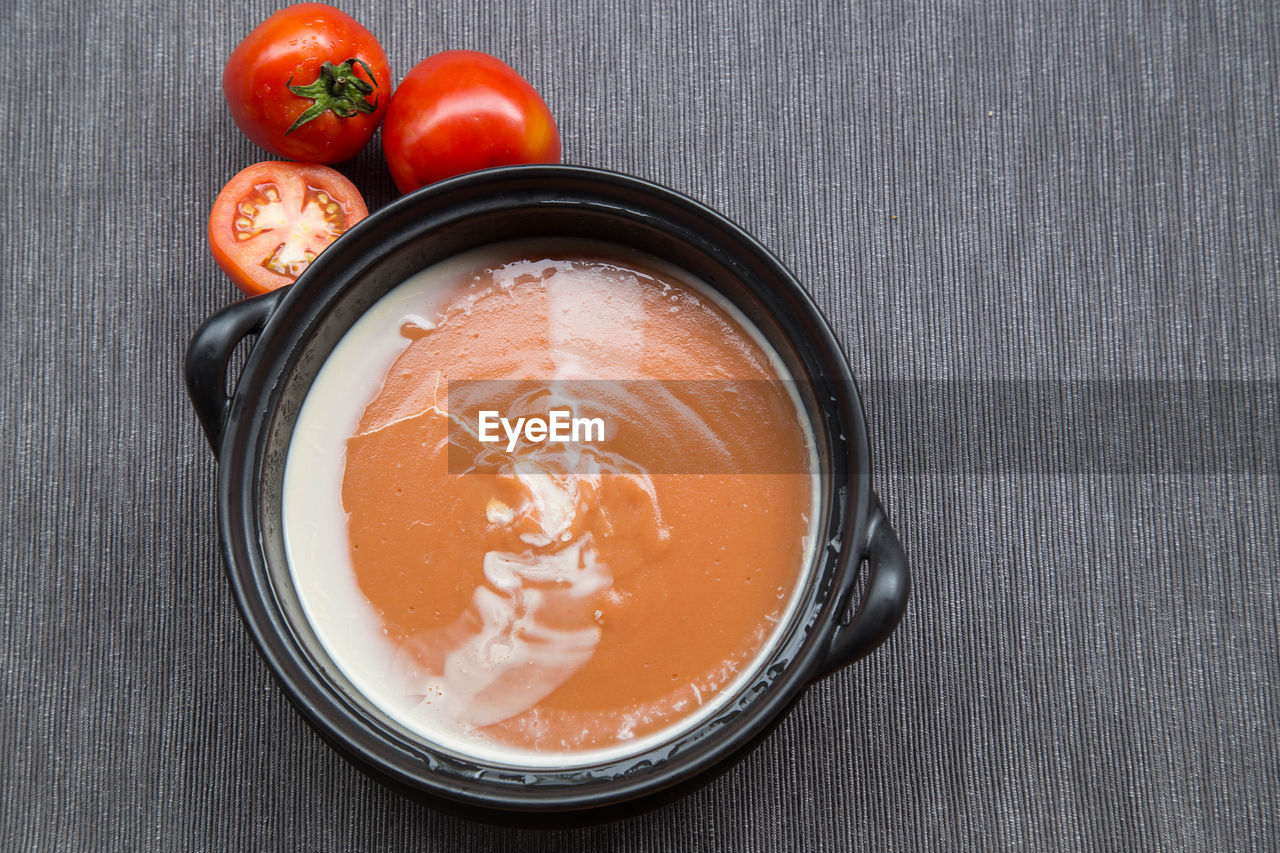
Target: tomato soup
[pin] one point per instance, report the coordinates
(542, 598)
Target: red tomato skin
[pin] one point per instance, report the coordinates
(293, 43)
(460, 111)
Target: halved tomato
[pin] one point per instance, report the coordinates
(272, 219)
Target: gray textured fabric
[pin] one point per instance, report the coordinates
(972, 190)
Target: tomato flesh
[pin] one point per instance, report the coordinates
(303, 228)
(273, 219)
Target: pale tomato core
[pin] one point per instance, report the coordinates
(288, 223)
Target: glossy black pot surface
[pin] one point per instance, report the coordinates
(297, 328)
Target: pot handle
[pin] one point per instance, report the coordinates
(209, 350)
(888, 588)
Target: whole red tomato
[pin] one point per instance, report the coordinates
(309, 84)
(459, 111)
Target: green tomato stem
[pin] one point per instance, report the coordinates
(337, 89)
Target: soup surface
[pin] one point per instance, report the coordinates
(524, 599)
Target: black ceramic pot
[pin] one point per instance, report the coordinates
(296, 329)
